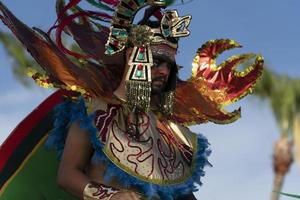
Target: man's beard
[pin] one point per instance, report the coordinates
(158, 85)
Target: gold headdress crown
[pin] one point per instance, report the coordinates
(141, 36)
(122, 31)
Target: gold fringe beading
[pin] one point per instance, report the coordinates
(138, 94)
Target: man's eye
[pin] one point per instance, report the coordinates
(159, 62)
(156, 63)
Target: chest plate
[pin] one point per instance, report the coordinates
(163, 153)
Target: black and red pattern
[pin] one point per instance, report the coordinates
(185, 150)
(158, 152)
(103, 120)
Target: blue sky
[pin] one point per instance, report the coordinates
(242, 151)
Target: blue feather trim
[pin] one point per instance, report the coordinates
(65, 114)
(69, 111)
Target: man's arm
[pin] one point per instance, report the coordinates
(71, 174)
(75, 159)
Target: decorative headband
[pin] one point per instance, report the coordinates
(123, 32)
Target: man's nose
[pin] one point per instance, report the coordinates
(162, 69)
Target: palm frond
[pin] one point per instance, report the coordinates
(283, 93)
(21, 60)
(290, 195)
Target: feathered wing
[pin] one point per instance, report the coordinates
(209, 89)
(90, 35)
(211, 86)
(91, 79)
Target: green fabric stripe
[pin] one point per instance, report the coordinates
(25, 147)
(37, 179)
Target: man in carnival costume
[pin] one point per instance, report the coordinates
(120, 116)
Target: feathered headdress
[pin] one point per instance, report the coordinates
(93, 73)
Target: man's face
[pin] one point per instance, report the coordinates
(163, 60)
(160, 72)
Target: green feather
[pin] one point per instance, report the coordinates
(169, 2)
(100, 5)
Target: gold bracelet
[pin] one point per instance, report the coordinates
(96, 191)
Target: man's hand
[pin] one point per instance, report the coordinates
(96, 191)
(126, 195)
